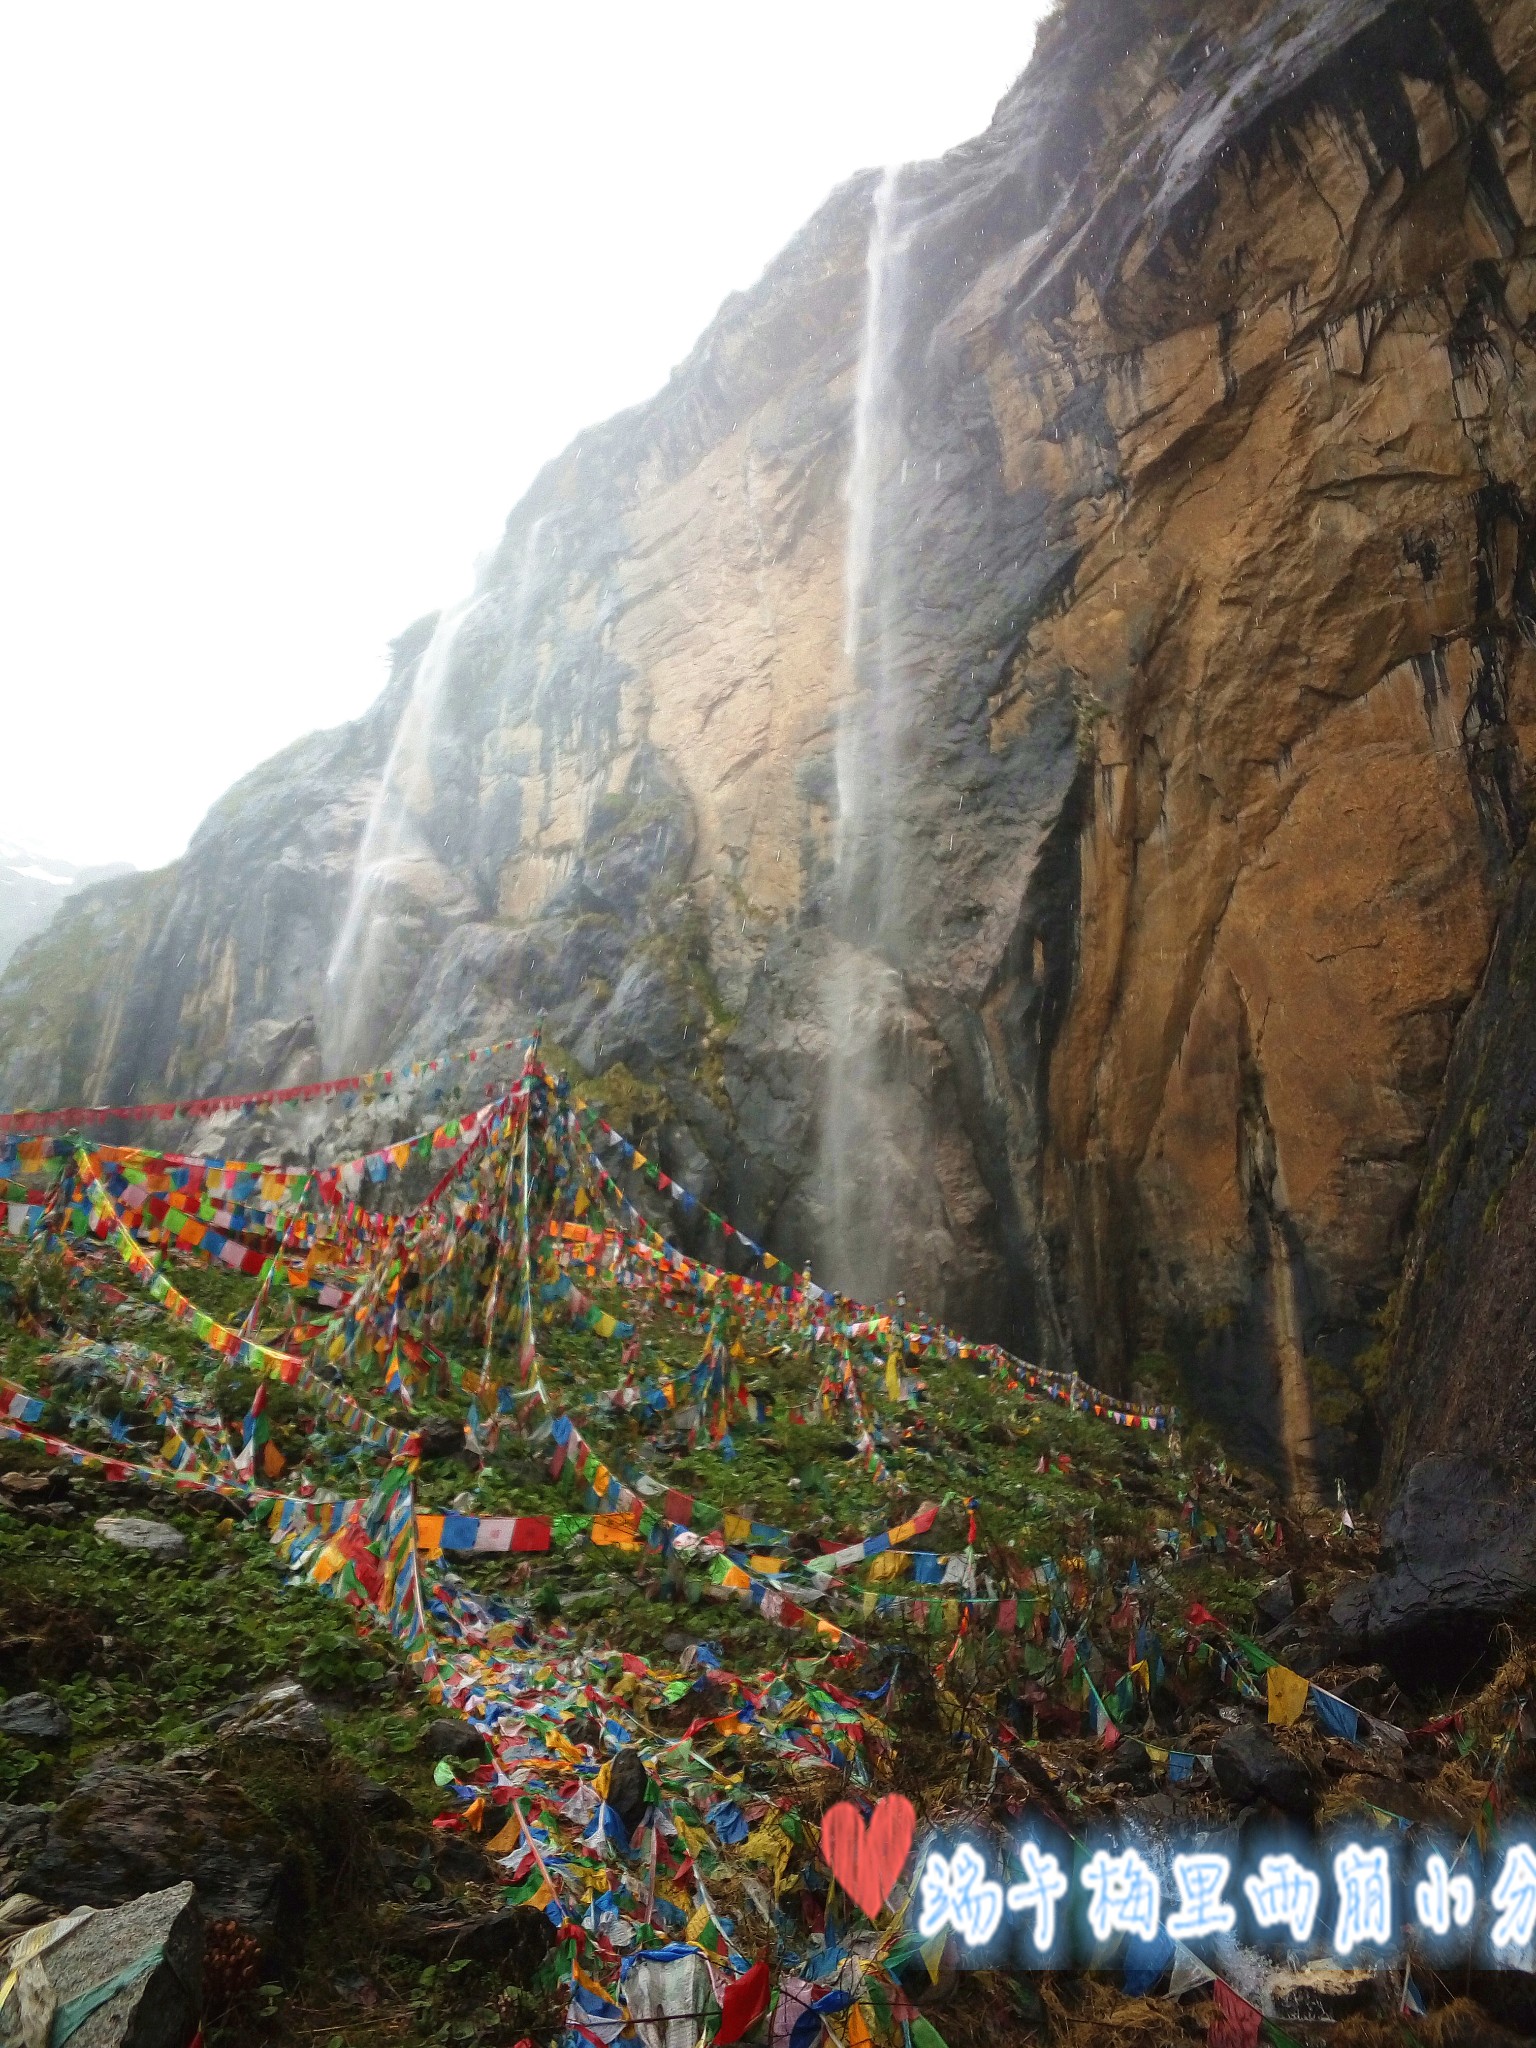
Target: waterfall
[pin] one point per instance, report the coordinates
(392, 855)
(865, 1151)
(870, 581)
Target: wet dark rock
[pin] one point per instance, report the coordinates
(453, 1739)
(1128, 1762)
(458, 1860)
(1509, 1997)
(1366, 1688)
(126, 1830)
(152, 1948)
(517, 1937)
(1459, 1556)
(1274, 1601)
(36, 1721)
(1251, 1765)
(381, 1802)
(1301, 1649)
(441, 1438)
(627, 1788)
(21, 1829)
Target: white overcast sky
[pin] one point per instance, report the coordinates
(299, 297)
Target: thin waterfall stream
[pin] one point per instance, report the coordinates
(861, 981)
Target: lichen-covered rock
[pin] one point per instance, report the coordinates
(1010, 763)
(125, 1830)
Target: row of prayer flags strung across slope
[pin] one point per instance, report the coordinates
(29, 1121)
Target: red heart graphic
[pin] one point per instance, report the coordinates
(867, 1861)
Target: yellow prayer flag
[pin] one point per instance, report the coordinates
(697, 1923)
(615, 1532)
(1287, 1696)
(736, 1529)
(504, 1843)
(893, 1376)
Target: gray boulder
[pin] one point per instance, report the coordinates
(1459, 1555)
(281, 1713)
(34, 1719)
(130, 1977)
(137, 1532)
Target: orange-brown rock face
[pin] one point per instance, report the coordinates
(1019, 748)
(1304, 644)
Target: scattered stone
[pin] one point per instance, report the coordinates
(453, 1739)
(517, 1937)
(459, 1860)
(628, 1786)
(1128, 1761)
(441, 1438)
(137, 1532)
(382, 1802)
(35, 1720)
(1275, 1601)
(146, 1956)
(54, 1512)
(282, 1713)
(1366, 1689)
(1459, 1551)
(1251, 1765)
(125, 1830)
(27, 1487)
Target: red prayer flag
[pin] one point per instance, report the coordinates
(743, 2005)
(678, 1507)
(530, 1532)
(1236, 2023)
(1201, 1617)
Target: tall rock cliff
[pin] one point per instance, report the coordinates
(1011, 762)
